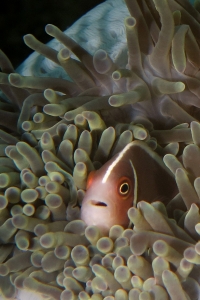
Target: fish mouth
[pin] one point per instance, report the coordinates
(98, 203)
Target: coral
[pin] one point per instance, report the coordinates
(55, 131)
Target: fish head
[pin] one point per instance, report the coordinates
(109, 195)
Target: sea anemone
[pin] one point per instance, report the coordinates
(54, 131)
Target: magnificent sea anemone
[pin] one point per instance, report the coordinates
(67, 114)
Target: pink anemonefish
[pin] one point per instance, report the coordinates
(134, 174)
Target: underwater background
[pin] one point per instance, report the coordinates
(20, 17)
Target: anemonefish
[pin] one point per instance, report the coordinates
(134, 174)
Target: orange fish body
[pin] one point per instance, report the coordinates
(136, 173)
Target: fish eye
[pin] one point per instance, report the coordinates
(124, 188)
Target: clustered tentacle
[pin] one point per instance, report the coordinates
(55, 131)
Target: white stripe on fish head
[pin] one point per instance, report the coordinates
(135, 184)
(115, 162)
